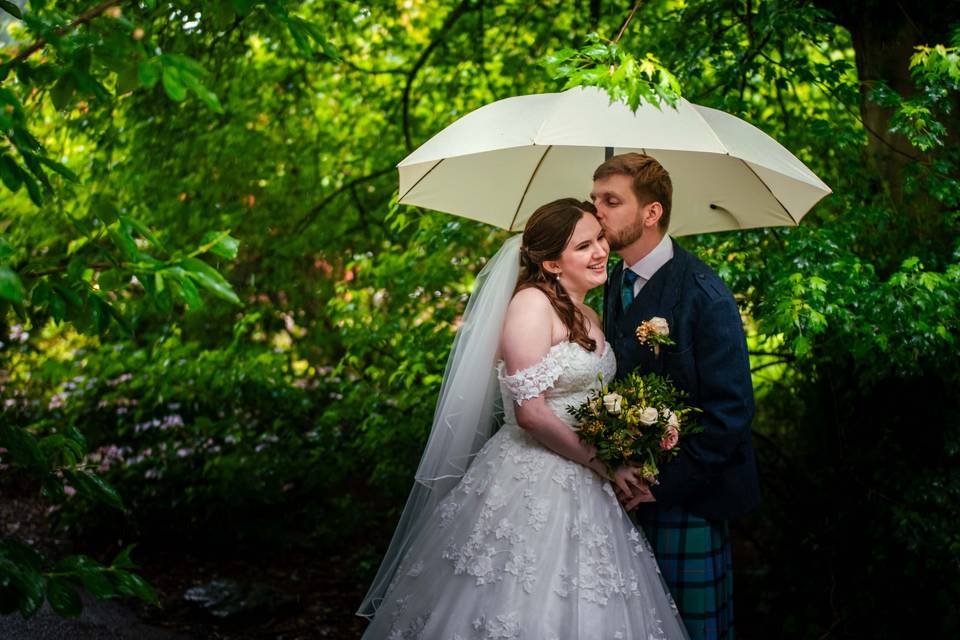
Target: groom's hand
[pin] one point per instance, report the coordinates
(643, 495)
(640, 492)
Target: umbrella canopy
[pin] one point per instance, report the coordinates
(499, 163)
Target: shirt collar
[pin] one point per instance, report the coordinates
(651, 263)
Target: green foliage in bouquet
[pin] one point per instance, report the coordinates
(638, 421)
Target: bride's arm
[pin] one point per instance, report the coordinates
(527, 339)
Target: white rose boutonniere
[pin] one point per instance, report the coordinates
(655, 332)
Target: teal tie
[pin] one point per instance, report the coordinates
(626, 290)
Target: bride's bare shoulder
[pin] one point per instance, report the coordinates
(530, 318)
(530, 299)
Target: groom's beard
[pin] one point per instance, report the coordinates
(625, 237)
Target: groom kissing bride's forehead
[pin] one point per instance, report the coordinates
(714, 479)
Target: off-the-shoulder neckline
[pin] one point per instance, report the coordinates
(554, 347)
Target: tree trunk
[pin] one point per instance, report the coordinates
(885, 33)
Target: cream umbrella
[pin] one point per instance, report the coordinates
(499, 163)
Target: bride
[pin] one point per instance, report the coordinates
(520, 535)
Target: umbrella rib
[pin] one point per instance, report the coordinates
(527, 188)
(710, 129)
(747, 164)
(429, 171)
(767, 187)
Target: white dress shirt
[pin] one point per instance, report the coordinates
(648, 265)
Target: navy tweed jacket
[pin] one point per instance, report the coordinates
(715, 474)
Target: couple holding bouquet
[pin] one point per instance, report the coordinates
(525, 533)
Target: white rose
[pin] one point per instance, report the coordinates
(649, 416)
(659, 326)
(613, 402)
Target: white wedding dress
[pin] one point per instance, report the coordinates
(531, 545)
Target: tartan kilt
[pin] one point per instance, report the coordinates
(695, 560)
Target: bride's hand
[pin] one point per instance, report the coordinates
(628, 483)
(640, 489)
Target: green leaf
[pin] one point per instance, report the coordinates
(51, 488)
(33, 189)
(112, 279)
(10, 286)
(173, 83)
(221, 243)
(128, 79)
(10, 173)
(103, 208)
(149, 73)
(41, 294)
(89, 573)
(206, 96)
(32, 161)
(71, 296)
(74, 434)
(63, 91)
(96, 583)
(143, 230)
(190, 293)
(243, 7)
(95, 487)
(31, 587)
(123, 240)
(22, 554)
(99, 314)
(63, 598)
(23, 447)
(89, 85)
(58, 168)
(221, 13)
(209, 278)
(133, 585)
(11, 8)
(123, 560)
(58, 307)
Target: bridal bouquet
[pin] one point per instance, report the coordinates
(639, 420)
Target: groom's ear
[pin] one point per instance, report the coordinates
(652, 213)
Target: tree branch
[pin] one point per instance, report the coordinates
(311, 215)
(83, 18)
(769, 364)
(448, 23)
(623, 28)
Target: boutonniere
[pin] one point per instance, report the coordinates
(654, 332)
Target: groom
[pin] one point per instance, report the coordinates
(714, 478)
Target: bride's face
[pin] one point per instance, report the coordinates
(583, 263)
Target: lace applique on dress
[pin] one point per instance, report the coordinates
(529, 383)
(531, 545)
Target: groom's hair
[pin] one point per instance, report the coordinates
(651, 182)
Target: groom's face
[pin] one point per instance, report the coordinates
(618, 210)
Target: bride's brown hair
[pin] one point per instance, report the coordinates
(545, 236)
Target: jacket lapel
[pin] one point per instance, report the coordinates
(659, 297)
(645, 306)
